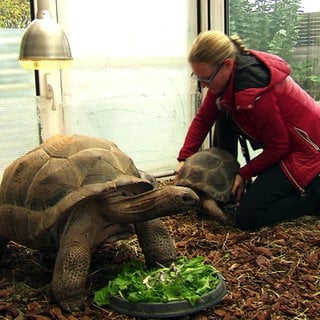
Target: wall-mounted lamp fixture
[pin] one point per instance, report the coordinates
(44, 45)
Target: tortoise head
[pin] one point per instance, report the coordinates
(138, 202)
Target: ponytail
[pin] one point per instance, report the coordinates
(238, 43)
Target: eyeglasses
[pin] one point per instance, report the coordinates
(210, 79)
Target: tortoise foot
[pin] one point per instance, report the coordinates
(71, 304)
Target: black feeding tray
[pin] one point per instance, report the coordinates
(168, 309)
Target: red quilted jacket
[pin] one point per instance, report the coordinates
(281, 117)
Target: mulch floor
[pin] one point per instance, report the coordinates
(272, 273)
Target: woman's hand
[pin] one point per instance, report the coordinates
(181, 164)
(238, 187)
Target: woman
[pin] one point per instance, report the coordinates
(252, 93)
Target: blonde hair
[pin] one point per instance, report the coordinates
(213, 47)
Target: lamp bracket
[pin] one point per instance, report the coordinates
(49, 92)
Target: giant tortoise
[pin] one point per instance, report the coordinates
(210, 173)
(73, 193)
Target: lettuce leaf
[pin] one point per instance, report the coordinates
(185, 279)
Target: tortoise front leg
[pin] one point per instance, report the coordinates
(156, 243)
(70, 274)
(212, 211)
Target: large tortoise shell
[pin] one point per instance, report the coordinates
(211, 171)
(63, 165)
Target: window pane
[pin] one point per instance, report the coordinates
(130, 76)
(18, 115)
(290, 29)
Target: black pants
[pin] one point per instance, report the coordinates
(271, 198)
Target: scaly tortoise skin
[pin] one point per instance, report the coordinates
(210, 173)
(73, 193)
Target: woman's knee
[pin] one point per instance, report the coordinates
(245, 220)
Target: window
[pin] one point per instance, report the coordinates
(290, 29)
(129, 82)
(18, 112)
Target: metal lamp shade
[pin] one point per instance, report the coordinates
(44, 45)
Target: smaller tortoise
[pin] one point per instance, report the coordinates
(210, 173)
(73, 193)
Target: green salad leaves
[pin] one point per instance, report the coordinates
(185, 279)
